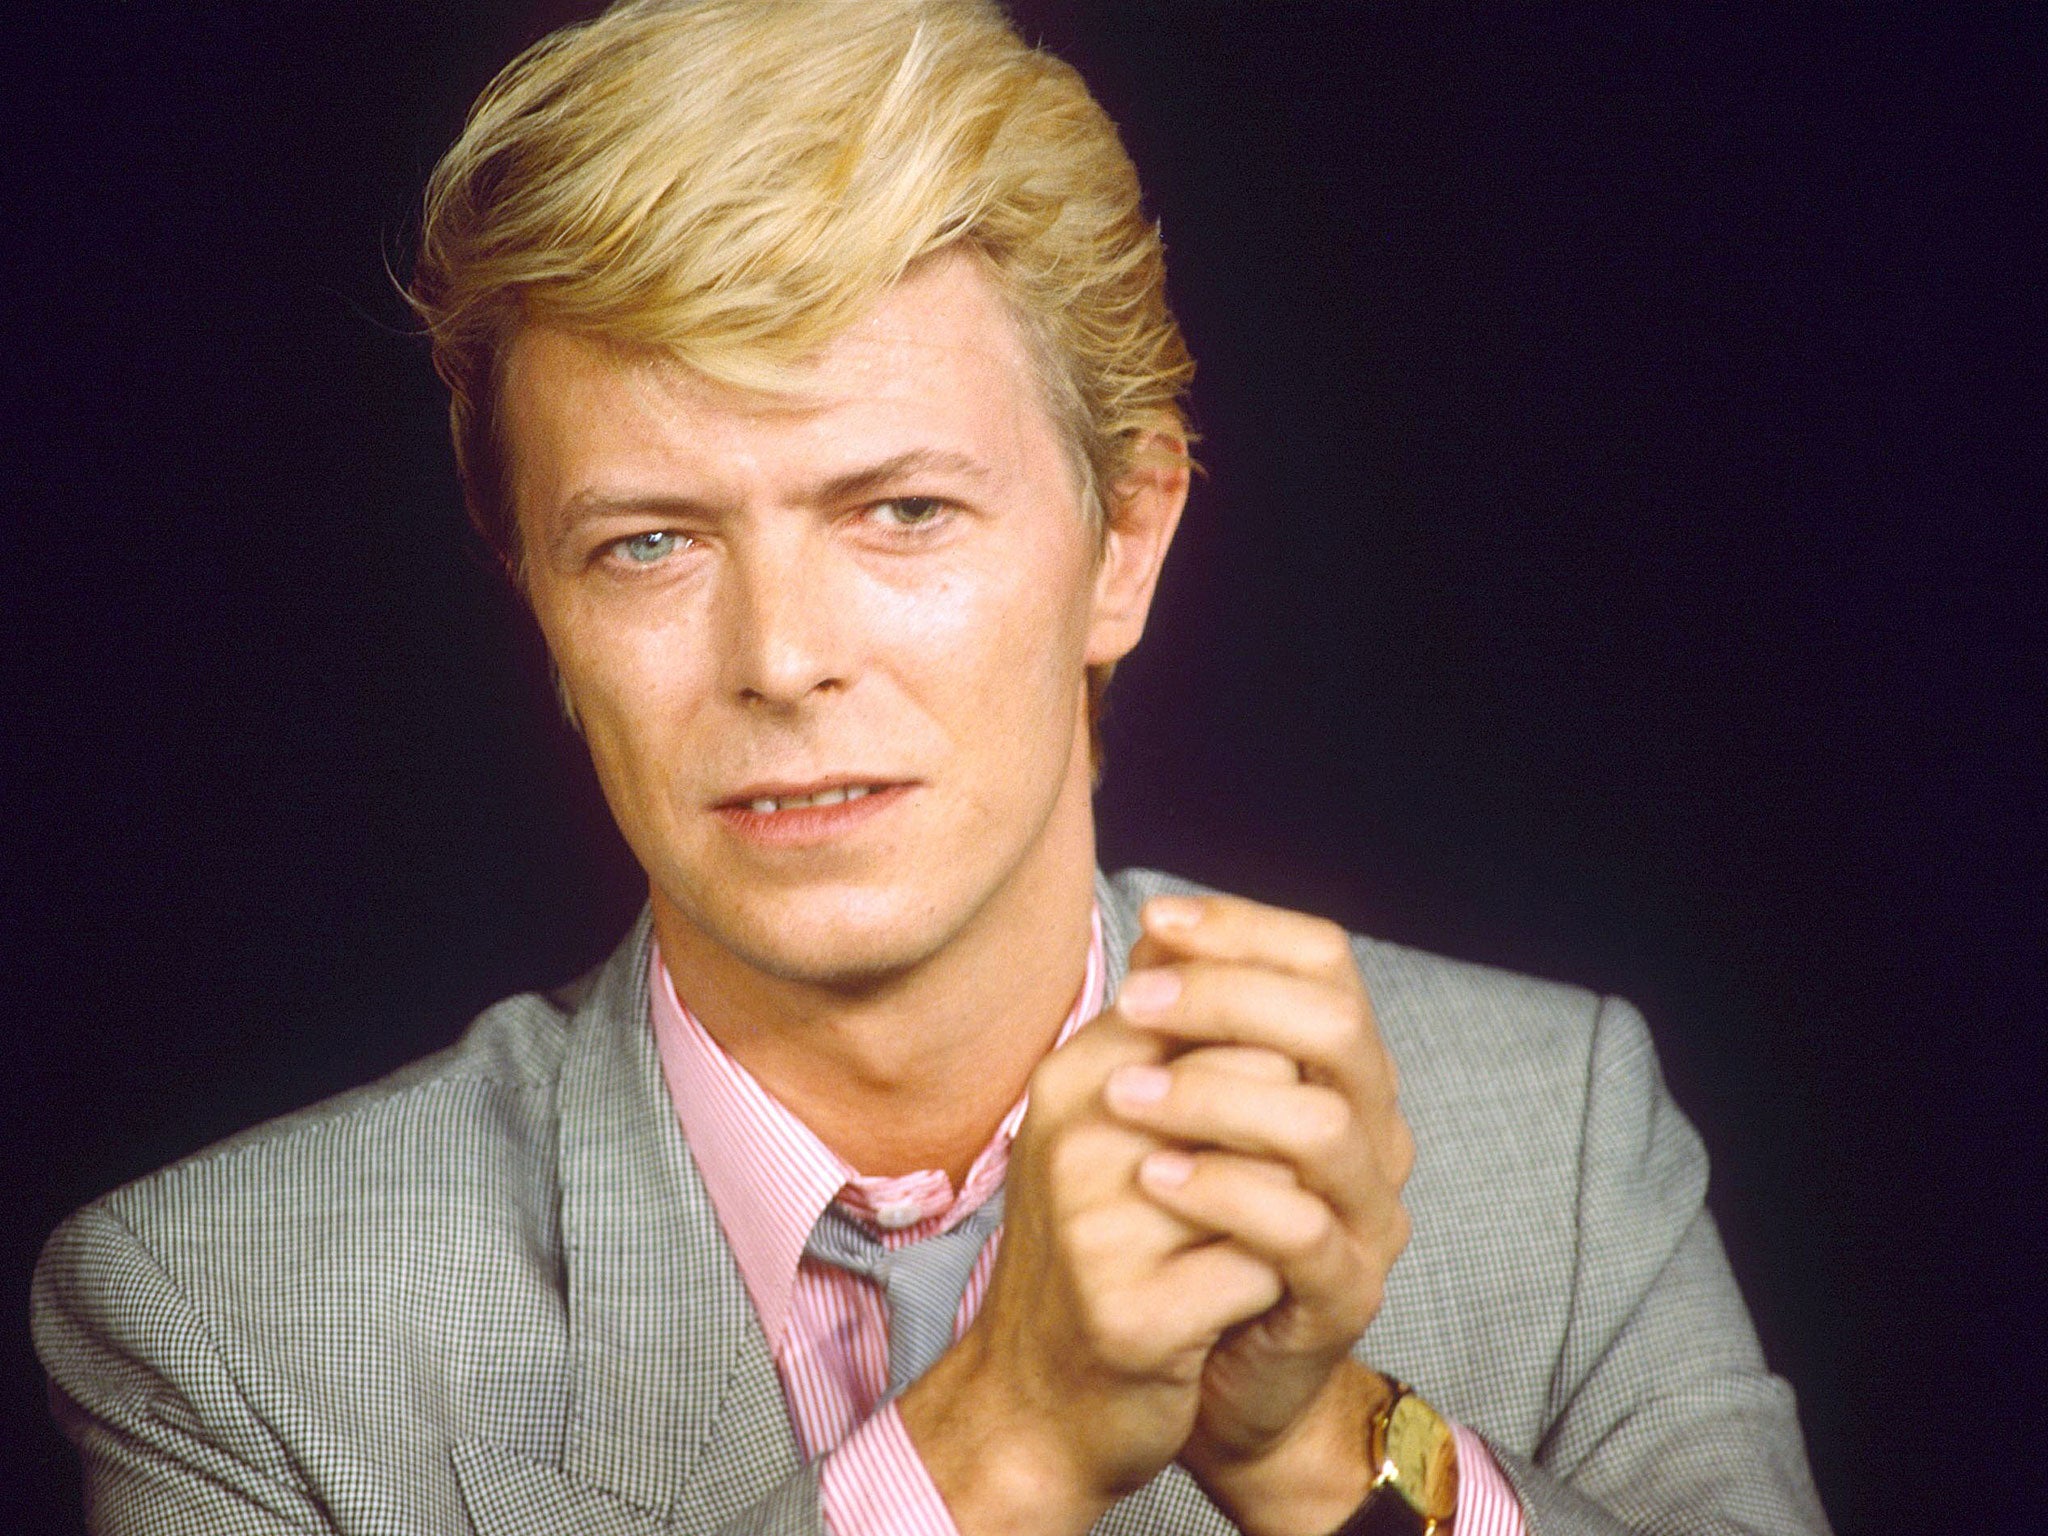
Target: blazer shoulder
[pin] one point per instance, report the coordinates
(514, 1047)
(1434, 1003)
(486, 1102)
(332, 1282)
(1461, 1004)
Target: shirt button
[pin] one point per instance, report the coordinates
(895, 1215)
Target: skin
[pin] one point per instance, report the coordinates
(1206, 1205)
(887, 579)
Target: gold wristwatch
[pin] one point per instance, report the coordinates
(1415, 1490)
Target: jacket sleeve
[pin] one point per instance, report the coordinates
(1663, 1415)
(170, 1445)
(168, 1442)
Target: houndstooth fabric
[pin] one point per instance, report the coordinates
(489, 1294)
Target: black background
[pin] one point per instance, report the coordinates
(1617, 561)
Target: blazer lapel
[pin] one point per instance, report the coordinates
(675, 1415)
(508, 1494)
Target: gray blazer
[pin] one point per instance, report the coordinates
(489, 1294)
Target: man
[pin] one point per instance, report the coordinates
(811, 370)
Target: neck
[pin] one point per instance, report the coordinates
(914, 1070)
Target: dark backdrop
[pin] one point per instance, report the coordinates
(1616, 562)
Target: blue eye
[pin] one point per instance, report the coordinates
(646, 548)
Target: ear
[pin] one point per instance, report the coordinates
(1143, 510)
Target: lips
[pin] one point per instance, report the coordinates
(768, 799)
(817, 812)
(838, 795)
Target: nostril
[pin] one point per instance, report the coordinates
(778, 698)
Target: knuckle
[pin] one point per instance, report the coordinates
(1323, 1124)
(1260, 1063)
(1092, 1236)
(1078, 1158)
(1115, 1330)
(1400, 1227)
(1329, 942)
(1108, 1250)
(1251, 1278)
(1267, 1288)
(1372, 1295)
(1308, 1229)
(1067, 1159)
(1338, 1027)
(1048, 1085)
(1400, 1155)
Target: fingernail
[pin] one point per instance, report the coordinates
(1166, 1170)
(1172, 912)
(1148, 992)
(1139, 1085)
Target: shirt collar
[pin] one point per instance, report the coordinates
(768, 1174)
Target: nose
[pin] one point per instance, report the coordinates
(782, 642)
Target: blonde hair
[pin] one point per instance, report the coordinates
(733, 182)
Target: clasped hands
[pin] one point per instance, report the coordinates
(1204, 1203)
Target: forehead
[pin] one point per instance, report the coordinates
(938, 365)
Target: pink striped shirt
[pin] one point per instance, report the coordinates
(770, 1178)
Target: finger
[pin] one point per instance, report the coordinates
(1328, 1030)
(1240, 932)
(1137, 1321)
(1126, 1240)
(1253, 1061)
(1088, 1165)
(1068, 1079)
(1149, 951)
(1206, 1289)
(1326, 1265)
(1236, 1198)
(1312, 1130)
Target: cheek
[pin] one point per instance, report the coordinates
(633, 684)
(996, 646)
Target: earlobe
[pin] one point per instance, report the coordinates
(1143, 511)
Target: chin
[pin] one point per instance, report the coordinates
(836, 938)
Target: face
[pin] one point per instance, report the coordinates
(829, 652)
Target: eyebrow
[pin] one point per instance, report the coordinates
(918, 461)
(850, 486)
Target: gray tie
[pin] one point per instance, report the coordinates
(923, 1280)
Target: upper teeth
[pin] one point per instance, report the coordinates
(798, 802)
